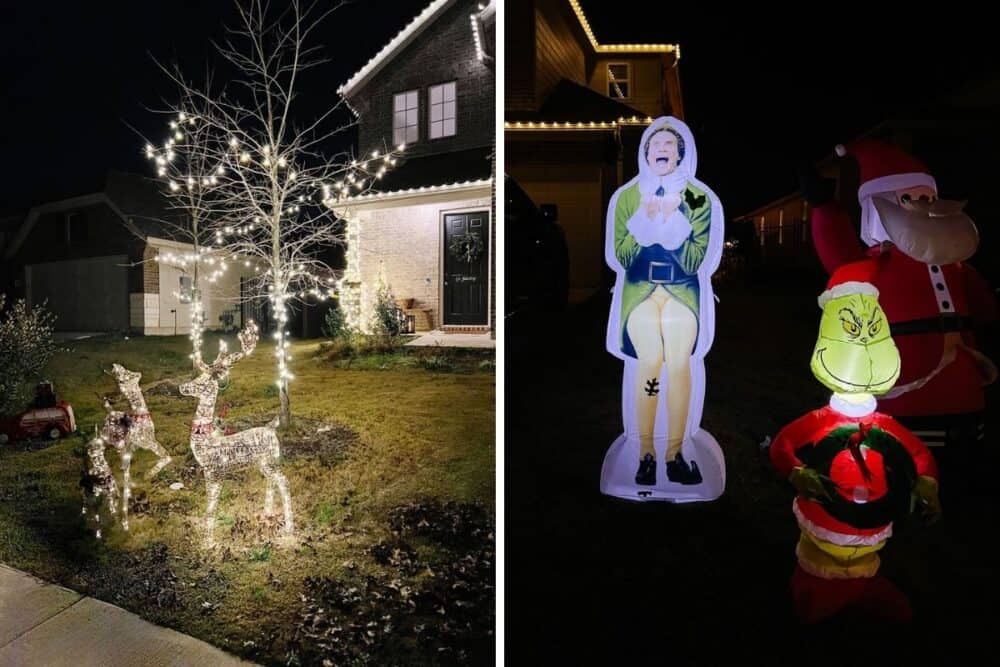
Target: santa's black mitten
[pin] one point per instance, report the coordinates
(816, 189)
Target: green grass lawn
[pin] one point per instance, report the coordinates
(391, 468)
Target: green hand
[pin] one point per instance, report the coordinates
(808, 483)
(925, 494)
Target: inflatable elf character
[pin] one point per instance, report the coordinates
(855, 469)
(664, 241)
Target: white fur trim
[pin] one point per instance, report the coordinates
(840, 539)
(872, 231)
(853, 409)
(846, 289)
(894, 182)
(840, 150)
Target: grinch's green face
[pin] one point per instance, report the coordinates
(855, 353)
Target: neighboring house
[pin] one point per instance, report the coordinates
(574, 112)
(432, 88)
(781, 233)
(91, 260)
(954, 135)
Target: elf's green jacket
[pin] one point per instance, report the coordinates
(647, 267)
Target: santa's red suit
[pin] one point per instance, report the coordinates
(931, 308)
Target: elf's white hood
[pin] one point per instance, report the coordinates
(675, 181)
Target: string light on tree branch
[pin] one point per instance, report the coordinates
(273, 193)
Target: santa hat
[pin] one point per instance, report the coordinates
(847, 280)
(883, 168)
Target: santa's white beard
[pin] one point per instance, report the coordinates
(938, 233)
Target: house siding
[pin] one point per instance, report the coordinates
(519, 56)
(558, 54)
(444, 52)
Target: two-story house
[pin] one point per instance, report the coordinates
(428, 229)
(574, 111)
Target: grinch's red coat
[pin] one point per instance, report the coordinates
(909, 291)
(811, 428)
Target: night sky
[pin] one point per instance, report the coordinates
(759, 97)
(77, 75)
(767, 88)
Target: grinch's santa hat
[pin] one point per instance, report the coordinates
(848, 280)
(884, 169)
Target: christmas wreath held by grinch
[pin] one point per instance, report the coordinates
(855, 469)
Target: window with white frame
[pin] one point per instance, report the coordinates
(405, 125)
(619, 81)
(442, 110)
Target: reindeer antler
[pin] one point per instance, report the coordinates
(199, 363)
(225, 359)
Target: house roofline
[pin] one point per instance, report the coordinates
(576, 125)
(379, 197)
(168, 243)
(479, 32)
(620, 48)
(63, 205)
(770, 205)
(824, 162)
(403, 38)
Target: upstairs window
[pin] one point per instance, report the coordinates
(404, 118)
(619, 81)
(442, 110)
(76, 228)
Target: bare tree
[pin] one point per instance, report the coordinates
(272, 186)
(189, 167)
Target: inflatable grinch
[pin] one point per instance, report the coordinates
(917, 245)
(855, 469)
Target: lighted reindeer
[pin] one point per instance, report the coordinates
(99, 479)
(126, 432)
(218, 454)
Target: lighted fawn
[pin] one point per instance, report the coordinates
(217, 453)
(126, 432)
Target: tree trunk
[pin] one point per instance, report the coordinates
(286, 409)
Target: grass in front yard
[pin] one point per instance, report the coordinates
(371, 440)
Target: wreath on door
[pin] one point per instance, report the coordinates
(466, 247)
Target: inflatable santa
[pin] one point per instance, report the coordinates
(917, 245)
(856, 470)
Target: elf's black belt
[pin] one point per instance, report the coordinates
(655, 265)
(941, 324)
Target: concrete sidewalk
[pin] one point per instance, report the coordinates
(44, 624)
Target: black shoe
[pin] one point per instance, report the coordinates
(679, 471)
(646, 475)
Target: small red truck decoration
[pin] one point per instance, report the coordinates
(46, 417)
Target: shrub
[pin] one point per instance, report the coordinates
(388, 320)
(335, 324)
(26, 345)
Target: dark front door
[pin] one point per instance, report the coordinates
(466, 267)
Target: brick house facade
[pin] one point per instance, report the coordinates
(436, 77)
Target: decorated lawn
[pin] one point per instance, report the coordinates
(390, 464)
(598, 580)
